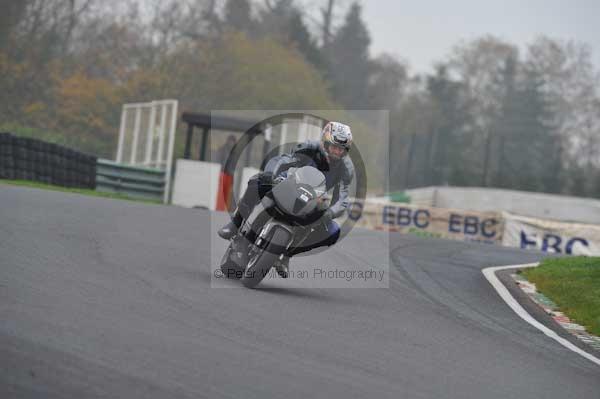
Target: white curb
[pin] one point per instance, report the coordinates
(490, 274)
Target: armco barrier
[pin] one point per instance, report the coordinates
(133, 181)
(536, 205)
(25, 158)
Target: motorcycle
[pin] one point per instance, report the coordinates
(283, 219)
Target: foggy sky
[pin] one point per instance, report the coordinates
(425, 31)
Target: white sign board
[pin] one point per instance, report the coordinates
(550, 236)
(196, 184)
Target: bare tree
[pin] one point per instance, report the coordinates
(572, 86)
(327, 18)
(479, 64)
(47, 27)
(11, 16)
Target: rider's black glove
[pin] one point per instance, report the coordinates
(265, 179)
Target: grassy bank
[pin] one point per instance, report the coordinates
(93, 193)
(574, 285)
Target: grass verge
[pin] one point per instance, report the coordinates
(92, 193)
(574, 285)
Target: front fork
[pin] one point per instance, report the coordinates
(255, 229)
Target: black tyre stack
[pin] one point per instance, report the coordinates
(25, 158)
(7, 163)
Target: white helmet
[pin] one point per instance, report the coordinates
(336, 140)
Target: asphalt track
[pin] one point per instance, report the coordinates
(105, 298)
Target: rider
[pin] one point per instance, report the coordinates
(329, 155)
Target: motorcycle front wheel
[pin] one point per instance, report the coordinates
(261, 262)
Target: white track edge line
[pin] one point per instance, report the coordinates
(490, 274)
